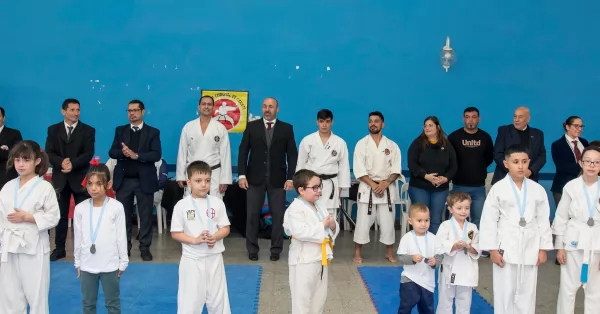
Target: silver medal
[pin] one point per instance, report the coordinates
(522, 222)
(590, 222)
(93, 249)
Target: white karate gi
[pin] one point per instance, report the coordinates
(379, 163)
(459, 272)
(201, 270)
(330, 158)
(211, 147)
(25, 247)
(111, 240)
(515, 283)
(577, 238)
(308, 277)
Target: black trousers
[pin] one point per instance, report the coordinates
(255, 199)
(129, 188)
(64, 201)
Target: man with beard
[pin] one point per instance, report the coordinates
(206, 140)
(377, 165)
(266, 162)
(474, 153)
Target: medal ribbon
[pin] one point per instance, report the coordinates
(208, 213)
(31, 188)
(520, 203)
(94, 234)
(465, 228)
(417, 243)
(591, 205)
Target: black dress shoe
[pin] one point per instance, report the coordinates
(146, 255)
(57, 254)
(274, 257)
(253, 257)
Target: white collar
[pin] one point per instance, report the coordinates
(570, 139)
(140, 126)
(74, 125)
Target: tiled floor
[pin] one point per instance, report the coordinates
(347, 293)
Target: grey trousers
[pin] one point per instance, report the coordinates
(110, 286)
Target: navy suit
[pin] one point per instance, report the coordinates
(509, 136)
(567, 167)
(144, 184)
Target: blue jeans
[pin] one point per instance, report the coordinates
(477, 199)
(412, 294)
(435, 200)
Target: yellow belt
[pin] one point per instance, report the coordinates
(324, 260)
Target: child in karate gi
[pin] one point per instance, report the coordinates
(313, 233)
(577, 230)
(419, 254)
(200, 223)
(28, 209)
(459, 272)
(100, 247)
(515, 229)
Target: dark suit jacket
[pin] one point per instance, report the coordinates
(252, 158)
(9, 138)
(567, 167)
(149, 152)
(79, 149)
(508, 136)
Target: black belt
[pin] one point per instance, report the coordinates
(215, 167)
(329, 177)
(389, 199)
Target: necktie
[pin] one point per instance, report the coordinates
(136, 128)
(70, 132)
(576, 151)
(269, 124)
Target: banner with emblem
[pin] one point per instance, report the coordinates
(231, 108)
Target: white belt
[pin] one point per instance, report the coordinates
(8, 235)
(521, 230)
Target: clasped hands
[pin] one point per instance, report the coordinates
(459, 245)
(66, 165)
(435, 179)
(128, 152)
(419, 258)
(205, 237)
(18, 216)
(329, 222)
(379, 188)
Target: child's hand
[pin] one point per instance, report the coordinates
(417, 258)
(331, 222)
(78, 272)
(326, 222)
(211, 240)
(431, 261)
(542, 257)
(497, 258)
(120, 273)
(458, 245)
(561, 256)
(200, 239)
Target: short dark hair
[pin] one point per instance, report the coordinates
(457, 196)
(2, 112)
(515, 149)
(206, 96)
(302, 177)
(324, 114)
(198, 167)
(471, 109)
(139, 102)
(378, 114)
(68, 101)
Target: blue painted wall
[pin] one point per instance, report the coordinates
(383, 55)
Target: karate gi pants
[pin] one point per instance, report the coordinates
(201, 282)
(308, 286)
(385, 220)
(214, 185)
(570, 281)
(25, 279)
(510, 295)
(447, 293)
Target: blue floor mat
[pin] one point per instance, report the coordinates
(151, 288)
(383, 283)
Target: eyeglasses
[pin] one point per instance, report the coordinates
(133, 110)
(578, 126)
(592, 163)
(315, 188)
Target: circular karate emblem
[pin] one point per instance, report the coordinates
(334, 153)
(217, 139)
(210, 213)
(470, 234)
(387, 151)
(228, 112)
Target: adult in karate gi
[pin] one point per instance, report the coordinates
(577, 230)
(377, 166)
(326, 154)
(206, 140)
(515, 229)
(28, 209)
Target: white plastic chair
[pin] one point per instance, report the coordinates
(404, 201)
(488, 182)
